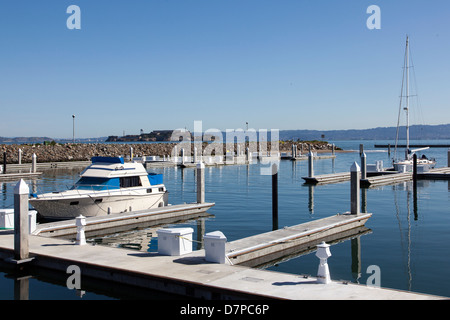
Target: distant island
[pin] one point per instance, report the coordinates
(417, 132)
(157, 135)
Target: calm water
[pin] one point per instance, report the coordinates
(410, 244)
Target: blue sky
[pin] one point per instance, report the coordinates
(162, 64)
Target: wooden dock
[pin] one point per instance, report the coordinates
(191, 276)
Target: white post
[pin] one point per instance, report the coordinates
(310, 164)
(80, 222)
(195, 154)
(323, 253)
(201, 182)
(33, 163)
(131, 153)
(21, 228)
(175, 154)
(20, 156)
(182, 156)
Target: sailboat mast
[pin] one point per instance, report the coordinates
(407, 94)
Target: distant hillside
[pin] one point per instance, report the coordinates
(29, 140)
(417, 132)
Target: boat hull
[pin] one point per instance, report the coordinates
(96, 205)
(407, 166)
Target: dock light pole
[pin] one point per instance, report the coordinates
(73, 127)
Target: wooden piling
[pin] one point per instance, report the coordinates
(448, 158)
(363, 166)
(355, 176)
(274, 196)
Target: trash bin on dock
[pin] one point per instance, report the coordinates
(175, 241)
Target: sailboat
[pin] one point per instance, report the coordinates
(406, 165)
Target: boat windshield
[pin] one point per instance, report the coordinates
(91, 183)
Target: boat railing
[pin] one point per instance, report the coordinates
(98, 190)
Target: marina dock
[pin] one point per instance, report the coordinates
(16, 176)
(192, 276)
(125, 221)
(327, 178)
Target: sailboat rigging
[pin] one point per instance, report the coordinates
(406, 164)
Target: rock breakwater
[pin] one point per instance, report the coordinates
(84, 152)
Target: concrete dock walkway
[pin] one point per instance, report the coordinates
(192, 276)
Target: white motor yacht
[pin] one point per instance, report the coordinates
(108, 186)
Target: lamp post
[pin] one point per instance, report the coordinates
(73, 126)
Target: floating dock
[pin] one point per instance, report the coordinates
(49, 165)
(190, 275)
(412, 145)
(261, 248)
(16, 176)
(327, 178)
(125, 221)
(305, 157)
(380, 178)
(433, 174)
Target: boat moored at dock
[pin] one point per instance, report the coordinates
(108, 186)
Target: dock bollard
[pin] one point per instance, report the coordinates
(323, 253)
(355, 176)
(200, 182)
(21, 228)
(80, 222)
